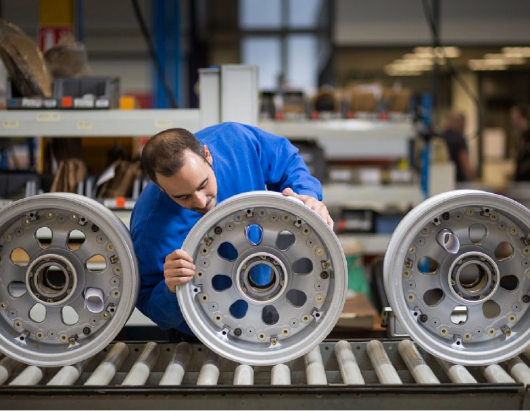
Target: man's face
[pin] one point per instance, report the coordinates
(519, 122)
(194, 186)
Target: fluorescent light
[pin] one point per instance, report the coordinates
(429, 52)
(416, 62)
(516, 51)
(491, 64)
(400, 70)
(507, 59)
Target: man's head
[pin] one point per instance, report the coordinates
(456, 121)
(520, 117)
(177, 163)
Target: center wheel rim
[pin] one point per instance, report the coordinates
(270, 282)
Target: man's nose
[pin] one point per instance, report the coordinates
(200, 200)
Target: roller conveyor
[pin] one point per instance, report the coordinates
(147, 376)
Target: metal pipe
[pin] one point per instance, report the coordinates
(457, 373)
(7, 367)
(144, 364)
(351, 374)
(417, 366)
(519, 370)
(280, 375)
(385, 371)
(177, 367)
(244, 375)
(31, 375)
(105, 371)
(69, 374)
(209, 374)
(495, 374)
(314, 367)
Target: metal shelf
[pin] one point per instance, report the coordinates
(374, 197)
(347, 139)
(372, 243)
(79, 123)
(341, 139)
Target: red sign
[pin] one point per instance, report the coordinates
(50, 35)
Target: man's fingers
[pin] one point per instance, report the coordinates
(172, 282)
(180, 254)
(179, 272)
(289, 192)
(175, 264)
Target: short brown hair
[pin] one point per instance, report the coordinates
(164, 152)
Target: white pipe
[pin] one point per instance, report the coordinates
(456, 373)
(351, 374)
(519, 370)
(448, 241)
(69, 374)
(417, 366)
(94, 300)
(495, 374)
(314, 367)
(244, 375)
(280, 375)
(177, 367)
(106, 371)
(144, 364)
(7, 366)
(31, 375)
(385, 371)
(209, 374)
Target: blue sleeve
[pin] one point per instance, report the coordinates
(154, 300)
(284, 168)
(158, 303)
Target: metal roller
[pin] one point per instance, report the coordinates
(457, 274)
(68, 279)
(271, 279)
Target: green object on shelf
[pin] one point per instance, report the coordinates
(353, 250)
(356, 277)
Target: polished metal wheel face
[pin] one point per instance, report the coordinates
(457, 275)
(68, 278)
(270, 282)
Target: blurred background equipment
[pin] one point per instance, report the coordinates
(24, 62)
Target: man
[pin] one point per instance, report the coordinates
(520, 118)
(189, 176)
(457, 146)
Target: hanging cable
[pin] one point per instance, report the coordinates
(438, 46)
(152, 53)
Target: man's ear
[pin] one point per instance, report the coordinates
(208, 154)
(158, 185)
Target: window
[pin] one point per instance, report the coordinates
(281, 38)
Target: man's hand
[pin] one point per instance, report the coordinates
(312, 203)
(178, 269)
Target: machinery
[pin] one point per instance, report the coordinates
(456, 275)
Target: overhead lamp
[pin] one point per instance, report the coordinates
(507, 59)
(516, 51)
(396, 70)
(483, 64)
(416, 62)
(447, 52)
